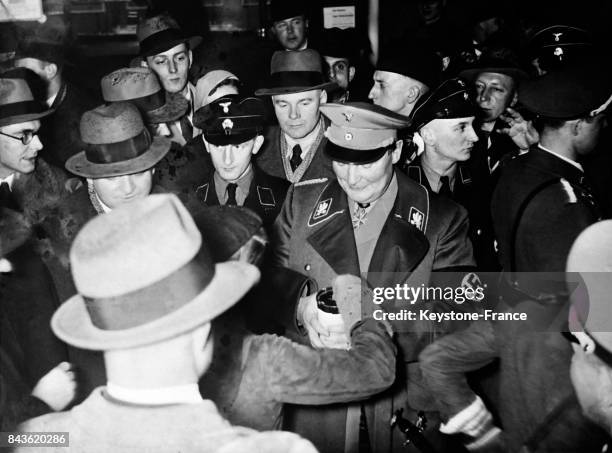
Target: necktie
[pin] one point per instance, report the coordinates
(359, 215)
(296, 158)
(186, 127)
(445, 187)
(6, 197)
(231, 194)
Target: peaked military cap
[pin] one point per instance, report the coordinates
(450, 100)
(567, 94)
(360, 132)
(230, 120)
(561, 44)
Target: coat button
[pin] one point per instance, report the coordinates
(307, 267)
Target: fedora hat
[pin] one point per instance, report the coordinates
(117, 143)
(159, 33)
(46, 42)
(144, 274)
(294, 71)
(500, 61)
(17, 103)
(141, 87)
(286, 9)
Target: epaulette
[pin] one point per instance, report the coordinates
(569, 191)
(310, 182)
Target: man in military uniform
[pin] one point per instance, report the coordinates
(371, 221)
(443, 118)
(232, 135)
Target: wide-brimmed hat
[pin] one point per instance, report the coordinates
(231, 120)
(286, 9)
(118, 143)
(359, 132)
(141, 87)
(46, 42)
(207, 83)
(500, 61)
(159, 33)
(17, 102)
(144, 274)
(294, 71)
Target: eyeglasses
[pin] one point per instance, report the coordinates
(26, 138)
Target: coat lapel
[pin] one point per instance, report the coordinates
(333, 237)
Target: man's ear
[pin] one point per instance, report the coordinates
(428, 135)
(144, 62)
(190, 54)
(514, 99)
(323, 97)
(351, 73)
(397, 152)
(51, 71)
(306, 23)
(412, 94)
(577, 126)
(259, 140)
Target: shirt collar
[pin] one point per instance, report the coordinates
(180, 394)
(569, 161)
(9, 180)
(434, 176)
(304, 142)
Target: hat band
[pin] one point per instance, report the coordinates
(296, 79)
(154, 301)
(161, 41)
(150, 102)
(21, 108)
(355, 156)
(110, 153)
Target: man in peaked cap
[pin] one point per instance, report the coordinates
(559, 46)
(294, 149)
(232, 134)
(590, 322)
(444, 118)
(290, 23)
(148, 290)
(400, 81)
(168, 52)
(372, 221)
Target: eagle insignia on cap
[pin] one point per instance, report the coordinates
(557, 36)
(322, 209)
(348, 116)
(225, 106)
(416, 218)
(348, 136)
(227, 126)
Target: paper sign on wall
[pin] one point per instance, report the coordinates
(20, 10)
(339, 16)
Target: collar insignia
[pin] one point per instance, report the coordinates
(416, 218)
(348, 116)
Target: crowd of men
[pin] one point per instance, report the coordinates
(187, 266)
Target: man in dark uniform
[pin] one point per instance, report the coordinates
(375, 222)
(232, 135)
(443, 118)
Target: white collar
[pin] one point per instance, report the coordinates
(566, 159)
(9, 180)
(179, 394)
(304, 142)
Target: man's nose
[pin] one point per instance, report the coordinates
(36, 144)
(227, 155)
(352, 174)
(484, 95)
(172, 66)
(372, 93)
(127, 183)
(294, 112)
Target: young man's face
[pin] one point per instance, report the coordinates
(390, 90)
(291, 33)
(340, 71)
(366, 182)
(118, 190)
(15, 157)
(232, 161)
(453, 138)
(494, 93)
(172, 67)
(298, 113)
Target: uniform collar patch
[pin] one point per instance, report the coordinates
(416, 218)
(202, 192)
(266, 196)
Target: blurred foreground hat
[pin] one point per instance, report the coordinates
(450, 100)
(118, 143)
(360, 132)
(160, 33)
(17, 101)
(144, 274)
(568, 94)
(231, 120)
(420, 64)
(141, 87)
(294, 71)
(207, 84)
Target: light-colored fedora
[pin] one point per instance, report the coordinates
(207, 83)
(294, 71)
(17, 103)
(118, 143)
(144, 274)
(159, 33)
(141, 87)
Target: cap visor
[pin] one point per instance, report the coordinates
(233, 139)
(354, 156)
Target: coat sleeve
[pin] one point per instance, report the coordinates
(299, 374)
(445, 362)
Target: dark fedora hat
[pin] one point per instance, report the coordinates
(118, 143)
(17, 102)
(141, 87)
(159, 33)
(286, 9)
(294, 71)
(231, 120)
(498, 60)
